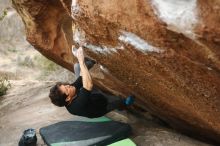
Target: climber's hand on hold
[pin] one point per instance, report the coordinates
(82, 44)
(74, 50)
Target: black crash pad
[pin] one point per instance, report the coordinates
(84, 133)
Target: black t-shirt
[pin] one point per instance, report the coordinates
(86, 103)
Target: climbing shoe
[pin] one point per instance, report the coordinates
(129, 100)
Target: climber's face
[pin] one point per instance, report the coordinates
(68, 90)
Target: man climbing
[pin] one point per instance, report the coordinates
(80, 98)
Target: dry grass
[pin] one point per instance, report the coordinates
(4, 85)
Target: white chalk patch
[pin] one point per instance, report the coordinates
(209, 68)
(137, 42)
(101, 49)
(79, 36)
(181, 14)
(75, 9)
(104, 69)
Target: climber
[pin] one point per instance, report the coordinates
(81, 98)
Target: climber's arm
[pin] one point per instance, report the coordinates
(86, 77)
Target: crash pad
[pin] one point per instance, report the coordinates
(124, 142)
(87, 132)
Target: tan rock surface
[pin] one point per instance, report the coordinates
(172, 69)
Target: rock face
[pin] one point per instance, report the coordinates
(165, 51)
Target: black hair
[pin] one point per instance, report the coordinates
(56, 96)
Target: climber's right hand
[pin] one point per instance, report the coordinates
(74, 50)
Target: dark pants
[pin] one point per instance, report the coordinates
(114, 102)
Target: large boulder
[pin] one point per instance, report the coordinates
(166, 52)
